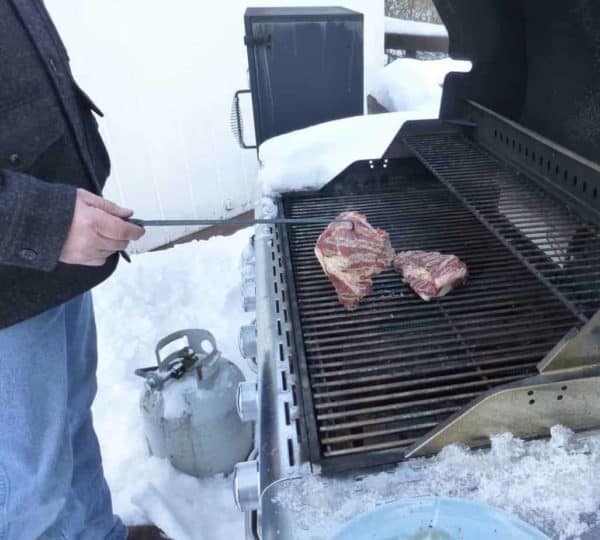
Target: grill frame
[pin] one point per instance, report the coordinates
(351, 181)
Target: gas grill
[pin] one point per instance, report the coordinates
(507, 181)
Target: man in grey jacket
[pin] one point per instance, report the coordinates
(58, 239)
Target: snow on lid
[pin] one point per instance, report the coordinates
(414, 28)
(548, 484)
(414, 85)
(310, 158)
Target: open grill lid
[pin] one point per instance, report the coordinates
(536, 62)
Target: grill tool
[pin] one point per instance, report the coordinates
(244, 222)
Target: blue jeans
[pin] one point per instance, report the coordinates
(52, 485)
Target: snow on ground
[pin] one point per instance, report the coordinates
(415, 28)
(191, 286)
(414, 85)
(550, 484)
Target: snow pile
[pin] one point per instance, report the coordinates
(268, 208)
(191, 286)
(311, 157)
(414, 28)
(415, 85)
(546, 483)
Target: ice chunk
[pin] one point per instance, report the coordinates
(548, 483)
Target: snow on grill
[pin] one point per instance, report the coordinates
(379, 378)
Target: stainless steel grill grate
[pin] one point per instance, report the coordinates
(381, 377)
(523, 215)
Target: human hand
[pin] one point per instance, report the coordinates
(98, 230)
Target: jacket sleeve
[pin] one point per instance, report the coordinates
(35, 217)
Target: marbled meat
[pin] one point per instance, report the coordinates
(429, 273)
(351, 256)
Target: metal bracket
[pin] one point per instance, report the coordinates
(528, 409)
(578, 349)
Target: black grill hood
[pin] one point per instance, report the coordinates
(534, 61)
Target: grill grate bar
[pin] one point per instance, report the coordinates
(373, 434)
(387, 419)
(384, 284)
(549, 334)
(399, 443)
(568, 280)
(398, 372)
(403, 405)
(448, 389)
(344, 326)
(382, 363)
(441, 328)
(368, 387)
(410, 341)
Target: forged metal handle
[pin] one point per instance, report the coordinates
(237, 123)
(234, 221)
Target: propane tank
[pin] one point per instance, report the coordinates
(189, 406)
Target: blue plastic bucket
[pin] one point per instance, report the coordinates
(437, 518)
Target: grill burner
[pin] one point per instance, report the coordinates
(378, 379)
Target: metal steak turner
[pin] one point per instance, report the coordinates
(244, 222)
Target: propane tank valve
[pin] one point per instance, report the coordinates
(175, 368)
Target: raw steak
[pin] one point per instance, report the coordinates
(352, 256)
(429, 273)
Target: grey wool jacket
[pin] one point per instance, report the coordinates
(49, 146)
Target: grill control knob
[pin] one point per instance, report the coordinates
(247, 341)
(247, 401)
(246, 490)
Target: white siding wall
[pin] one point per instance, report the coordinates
(164, 72)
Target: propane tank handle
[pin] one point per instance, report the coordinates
(197, 341)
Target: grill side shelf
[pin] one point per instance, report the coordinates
(480, 181)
